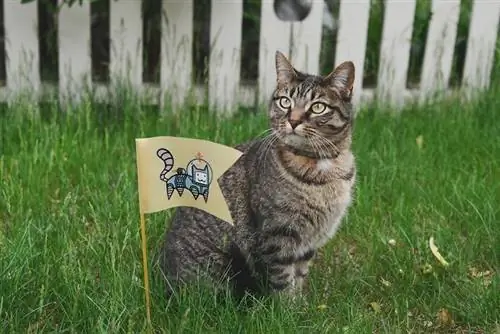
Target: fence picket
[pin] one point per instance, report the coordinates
(75, 64)
(351, 39)
(306, 40)
(395, 50)
(21, 46)
(274, 35)
(126, 42)
(481, 45)
(225, 38)
(176, 50)
(439, 47)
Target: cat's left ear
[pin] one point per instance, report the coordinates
(342, 79)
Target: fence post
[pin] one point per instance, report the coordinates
(21, 46)
(481, 46)
(306, 40)
(225, 40)
(439, 47)
(274, 35)
(125, 68)
(176, 51)
(75, 64)
(351, 39)
(395, 51)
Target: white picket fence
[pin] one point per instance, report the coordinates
(224, 88)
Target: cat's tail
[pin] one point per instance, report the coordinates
(168, 159)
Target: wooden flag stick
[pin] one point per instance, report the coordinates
(144, 240)
(145, 267)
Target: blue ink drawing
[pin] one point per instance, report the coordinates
(196, 177)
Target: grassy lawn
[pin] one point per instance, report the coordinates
(70, 258)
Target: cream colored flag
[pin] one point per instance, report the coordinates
(175, 171)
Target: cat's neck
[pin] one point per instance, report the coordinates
(314, 170)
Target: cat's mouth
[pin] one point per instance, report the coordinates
(294, 139)
(294, 135)
(300, 143)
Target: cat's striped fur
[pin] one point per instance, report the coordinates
(287, 193)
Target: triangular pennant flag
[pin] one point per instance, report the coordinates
(175, 171)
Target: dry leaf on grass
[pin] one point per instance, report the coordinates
(420, 141)
(426, 268)
(444, 318)
(486, 276)
(427, 323)
(435, 252)
(321, 307)
(385, 282)
(375, 307)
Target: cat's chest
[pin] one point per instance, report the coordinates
(333, 221)
(329, 198)
(331, 206)
(315, 234)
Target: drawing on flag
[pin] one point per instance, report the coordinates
(196, 177)
(175, 171)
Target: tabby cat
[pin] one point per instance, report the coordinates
(287, 193)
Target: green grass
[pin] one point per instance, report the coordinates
(70, 258)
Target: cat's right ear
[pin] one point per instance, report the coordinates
(285, 73)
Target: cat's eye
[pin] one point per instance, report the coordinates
(318, 108)
(285, 102)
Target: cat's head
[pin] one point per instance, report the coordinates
(311, 114)
(201, 175)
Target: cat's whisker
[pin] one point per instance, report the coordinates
(265, 132)
(269, 139)
(269, 135)
(317, 146)
(267, 143)
(324, 142)
(312, 138)
(327, 147)
(312, 142)
(321, 147)
(269, 148)
(265, 146)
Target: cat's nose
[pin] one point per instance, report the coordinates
(295, 117)
(294, 123)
